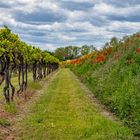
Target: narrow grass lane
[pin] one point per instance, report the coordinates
(65, 112)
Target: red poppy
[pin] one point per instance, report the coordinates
(138, 50)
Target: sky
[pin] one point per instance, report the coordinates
(50, 24)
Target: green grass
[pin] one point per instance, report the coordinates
(35, 85)
(115, 83)
(4, 122)
(11, 108)
(65, 112)
(15, 84)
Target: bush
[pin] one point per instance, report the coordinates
(116, 82)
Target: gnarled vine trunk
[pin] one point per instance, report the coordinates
(6, 89)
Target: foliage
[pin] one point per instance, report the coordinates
(18, 57)
(71, 52)
(113, 74)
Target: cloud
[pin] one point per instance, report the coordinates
(108, 9)
(50, 23)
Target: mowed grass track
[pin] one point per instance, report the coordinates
(65, 112)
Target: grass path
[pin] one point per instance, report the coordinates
(65, 112)
(21, 107)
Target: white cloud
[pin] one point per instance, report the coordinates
(120, 26)
(91, 26)
(108, 9)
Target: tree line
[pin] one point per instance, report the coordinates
(71, 52)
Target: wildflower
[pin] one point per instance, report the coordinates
(138, 50)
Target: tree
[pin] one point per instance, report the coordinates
(16, 55)
(114, 41)
(85, 49)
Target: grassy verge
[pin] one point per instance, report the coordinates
(117, 86)
(115, 80)
(64, 112)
